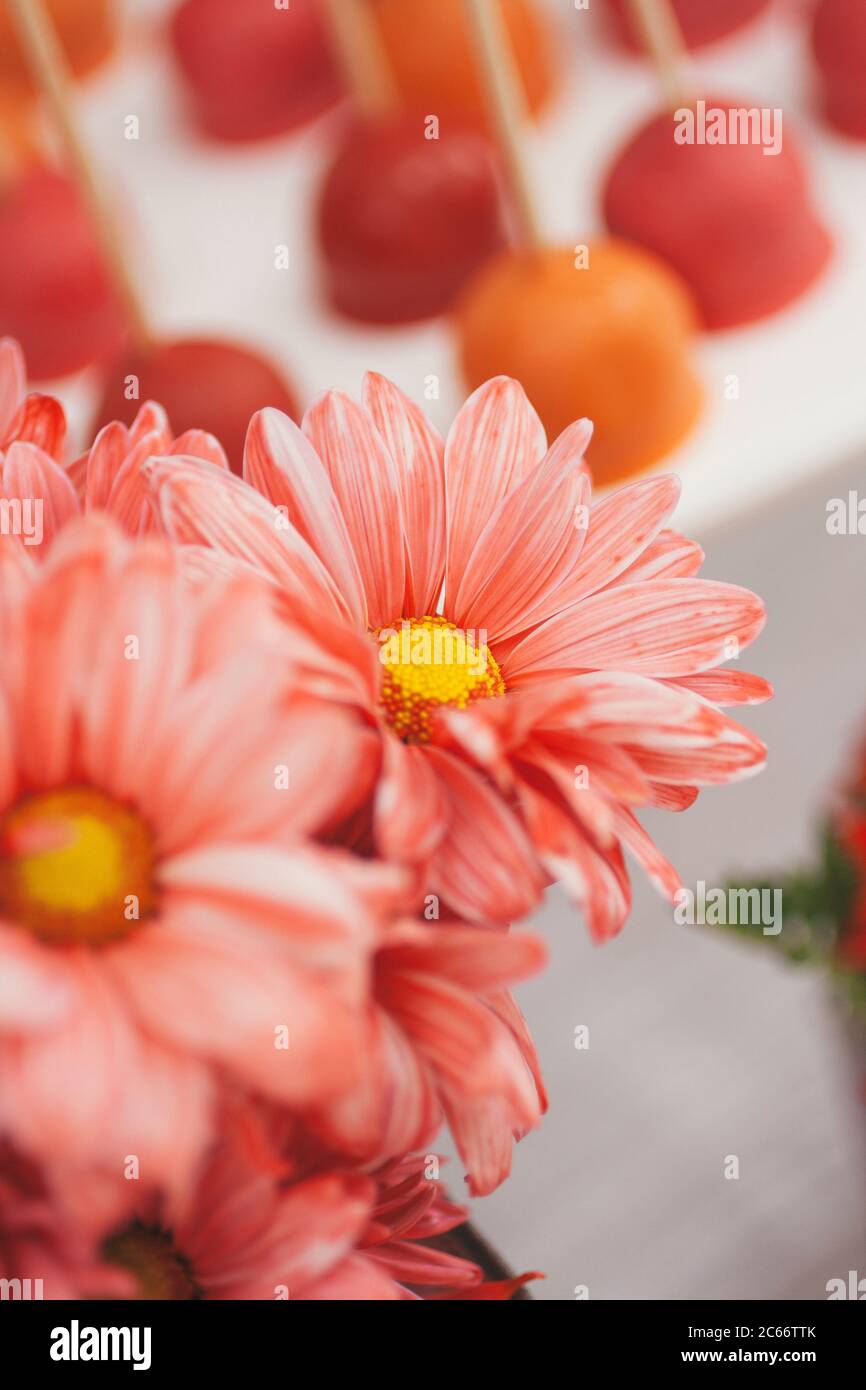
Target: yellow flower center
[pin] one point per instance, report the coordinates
(76, 867)
(429, 664)
(150, 1254)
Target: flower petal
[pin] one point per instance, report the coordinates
(409, 813)
(418, 453)
(13, 383)
(364, 478)
(30, 474)
(482, 830)
(282, 464)
(128, 700)
(229, 994)
(669, 556)
(200, 445)
(727, 687)
(495, 440)
(101, 1090)
(355, 1280)
(200, 504)
(100, 465)
(300, 894)
(595, 879)
(36, 993)
(478, 959)
(662, 627)
(536, 532)
(41, 420)
(621, 527)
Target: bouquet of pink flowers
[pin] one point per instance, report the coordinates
(283, 758)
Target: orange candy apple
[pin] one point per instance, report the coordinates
(86, 30)
(429, 49)
(606, 335)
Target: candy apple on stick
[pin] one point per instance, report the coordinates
(601, 330)
(86, 31)
(255, 68)
(839, 49)
(718, 190)
(409, 207)
(429, 48)
(57, 296)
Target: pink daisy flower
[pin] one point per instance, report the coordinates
(540, 666)
(107, 477)
(162, 924)
(249, 1231)
(43, 1253)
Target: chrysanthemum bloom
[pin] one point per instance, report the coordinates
(43, 1253)
(541, 667)
(445, 1038)
(247, 1232)
(107, 477)
(161, 923)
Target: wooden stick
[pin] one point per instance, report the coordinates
(361, 55)
(50, 70)
(663, 40)
(507, 106)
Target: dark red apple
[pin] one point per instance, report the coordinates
(736, 222)
(56, 296)
(202, 383)
(839, 46)
(252, 69)
(404, 220)
(701, 21)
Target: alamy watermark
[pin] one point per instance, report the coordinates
(721, 907)
(22, 516)
(77, 1343)
(729, 125)
(414, 644)
(21, 1290)
(846, 516)
(853, 1287)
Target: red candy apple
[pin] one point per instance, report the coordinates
(701, 21)
(201, 382)
(736, 222)
(404, 220)
(56, 296)
(254, 69)
(839, 46)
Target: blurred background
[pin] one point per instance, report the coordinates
(251, 201)
(701, 1046)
